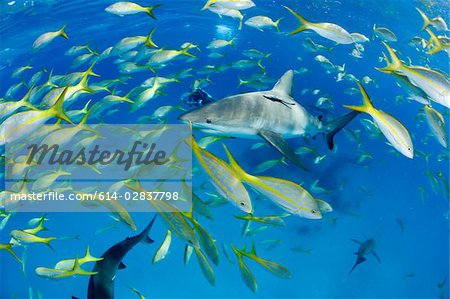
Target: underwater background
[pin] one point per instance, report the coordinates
(374, 191)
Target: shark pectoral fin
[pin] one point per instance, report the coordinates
(277, 141)
(73, 297)
(376, 256)
(121, 266)
(356, 241)
(148, 240)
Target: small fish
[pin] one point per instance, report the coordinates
(18, 71)
(223, 178)
(266, 165)
(301, 249)
(130, 8)
(230, 4)
(437, 22)
(433, 83)
(384, 33)
(229, 12)
(436, 124)
(437, 43)
(28, 238)
(359, 38)
(70, 263)
(46, 38)
(188, 253)
(246, 275)
(129, 43)
(220, 43)
(163, 250)
(271, 266)
(286, 194)
(207, 242)
(23, 124)
(207, 270)
(391, 128)
(262, 22)
(164, 56)
(63, 273)
(246, 64)
(400, 224)
(272, 220)
(255, 54)
(329, 31)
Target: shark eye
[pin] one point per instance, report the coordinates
(208, 121)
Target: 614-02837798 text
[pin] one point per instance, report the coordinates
(102, 196)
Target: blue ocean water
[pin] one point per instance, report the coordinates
(387, 197)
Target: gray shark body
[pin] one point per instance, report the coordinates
(101, 285)
(365, 248)
(273, 115)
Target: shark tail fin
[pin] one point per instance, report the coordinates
(358, 261)
(144, 235)
(426, 20)
(394, 65)
(304, 24)
(333, 127)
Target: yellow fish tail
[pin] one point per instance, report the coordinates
(58, 107)
(367, 106)
(208, 4)
(62, 32)
(426, 20)
(304, 24)
(241, 174)
(277, 24)
(394, 65)
(149, 10)
(434, 44)
(149, 41)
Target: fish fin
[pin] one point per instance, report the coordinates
(149, 40)
(149, 10)
(376, 256)
(208, 4)
(284, 84)
(303, 22)
(186, 53)
(323, 206)
(394, 65)
(144, 235)
(358, 261)
(333, 127)
(277, 141)
(121, 266)
(367, 106)
(259, 63)
(434, 44)
(58, 107)
(426, 20)
(62, 32)
(356, 241)
(277, 23)
(241, 174)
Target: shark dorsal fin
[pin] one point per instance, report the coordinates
(284, 84)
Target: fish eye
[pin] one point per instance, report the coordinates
(242, 203)
(409, 149)
(314, 211)
(208, 121)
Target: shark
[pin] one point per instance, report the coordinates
(101, 285)
(365, 248)
(273, 115)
